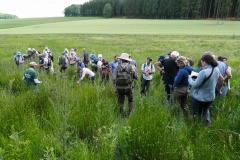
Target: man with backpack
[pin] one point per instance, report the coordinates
(85, 57)
(47, 63)
(125, 73)
(62, 62)
(147, 75)
(18, 58)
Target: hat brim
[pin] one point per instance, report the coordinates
(127, 59)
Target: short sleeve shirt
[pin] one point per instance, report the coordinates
(29, 77)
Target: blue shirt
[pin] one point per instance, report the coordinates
(113, 65)
(222, 68)
(181, 80)
(81, 64)
(205, 92)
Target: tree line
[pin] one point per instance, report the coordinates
(7, 16)
(158, 9)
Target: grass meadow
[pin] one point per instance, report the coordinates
(70, 121)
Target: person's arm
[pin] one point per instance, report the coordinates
(178, 79)
(152, 69)
(228, 75)
(198, 81)
(220, 83)
(158, 66)
(35, 78)
(37, 81)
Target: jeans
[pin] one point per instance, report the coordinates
(224, 91)
(145, 85)
(201, 110)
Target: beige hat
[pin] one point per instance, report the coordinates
(32, 64)
(125, 56)
(182, 59)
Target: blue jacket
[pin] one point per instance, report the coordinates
(181, 80)
(205, 92)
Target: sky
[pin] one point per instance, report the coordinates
(36, 8)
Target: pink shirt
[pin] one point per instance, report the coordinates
(87, 71)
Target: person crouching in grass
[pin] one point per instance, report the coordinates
(86, 71)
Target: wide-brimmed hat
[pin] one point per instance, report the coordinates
(125, 56)
(33, 64)
(99, 55)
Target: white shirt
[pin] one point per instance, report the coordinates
(148, 68)
(88, 72)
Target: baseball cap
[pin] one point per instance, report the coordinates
(149, 58)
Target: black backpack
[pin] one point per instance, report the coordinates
(49, 61)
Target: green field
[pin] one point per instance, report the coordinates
(119, 26)
(70, 121)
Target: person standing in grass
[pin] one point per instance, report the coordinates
(181, 85)
(30, 77)
(226, 75)
(62, 62)
(85, 57)
(125, 73)
(86, 71)
(147, 75)
(113, 65)
(169, 73)
(204, 87)
(18, 59)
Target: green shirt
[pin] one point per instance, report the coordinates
(29, 77)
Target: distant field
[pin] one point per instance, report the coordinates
(119, 26)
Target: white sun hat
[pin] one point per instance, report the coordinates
(125, 56)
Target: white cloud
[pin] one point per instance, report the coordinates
(36, 8)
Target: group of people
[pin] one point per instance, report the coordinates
(209, 79)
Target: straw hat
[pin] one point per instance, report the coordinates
(125, 56)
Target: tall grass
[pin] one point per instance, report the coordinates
(71, 121)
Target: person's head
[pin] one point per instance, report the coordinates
(224, 60)
(84, 50)
(181, 61)
(207, 59)
(149, 60)
(33, 65)
(191, 62)
(174, 54)
(115, 58)
(124, 57)
(18, 53)
(79, 69)
(78, 60)
(40, 55)
(220, 58)
(100, 57)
